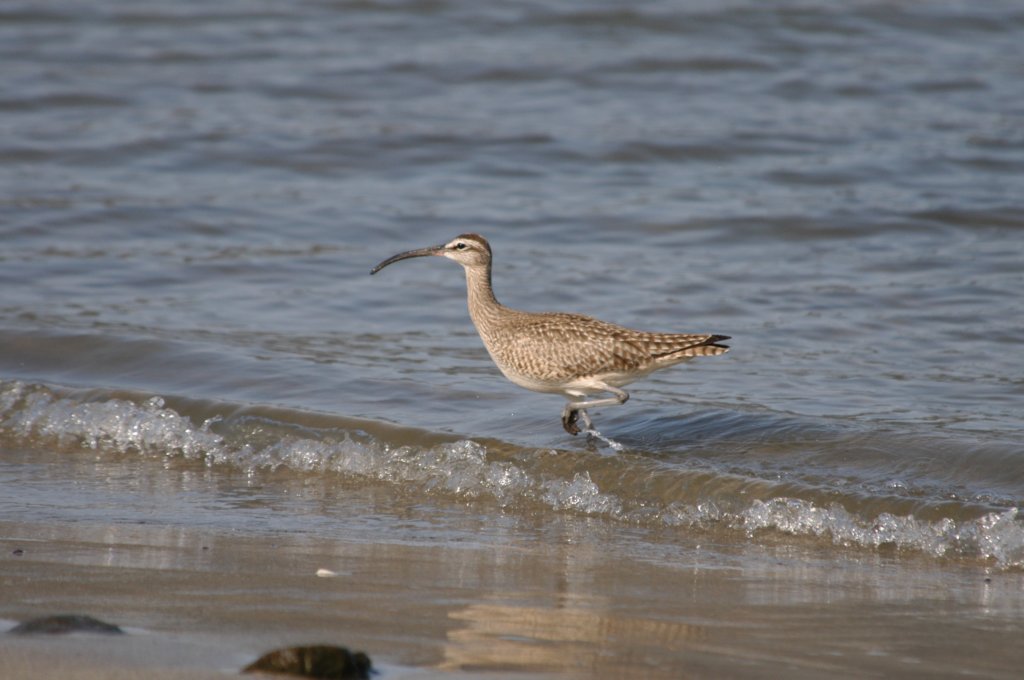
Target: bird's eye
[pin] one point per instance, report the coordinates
(460, 246)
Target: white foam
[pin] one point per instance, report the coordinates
(997, 535)
(580, 494)
(114, 424)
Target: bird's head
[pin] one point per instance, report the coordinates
(469, 250)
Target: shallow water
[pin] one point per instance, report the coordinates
(192, 197)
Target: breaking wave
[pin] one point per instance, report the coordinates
(630, 488)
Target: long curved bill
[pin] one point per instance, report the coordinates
(421, 252)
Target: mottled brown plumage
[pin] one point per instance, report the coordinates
(569, 354)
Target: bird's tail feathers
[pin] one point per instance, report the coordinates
(702, 346)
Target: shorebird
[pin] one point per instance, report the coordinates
(569, 354)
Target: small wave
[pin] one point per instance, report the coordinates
(999, 536)
(36, 414)
(515, 479)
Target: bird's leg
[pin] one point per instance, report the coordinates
(574, 410)
(621, 396)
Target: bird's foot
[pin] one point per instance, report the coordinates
(569, 419)
(572, 417)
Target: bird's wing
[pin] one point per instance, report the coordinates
(562, 346)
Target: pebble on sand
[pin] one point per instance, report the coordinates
(65, 623)
(314, 661)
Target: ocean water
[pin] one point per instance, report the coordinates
(192, 196)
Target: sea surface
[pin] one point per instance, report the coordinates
(192, 195)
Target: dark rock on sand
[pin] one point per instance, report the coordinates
(314, 661)
(65, 623)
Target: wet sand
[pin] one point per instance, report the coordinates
(91, 658)
(202, 604)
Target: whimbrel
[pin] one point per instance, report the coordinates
(568, 354)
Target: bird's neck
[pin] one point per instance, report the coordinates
(483, 306)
